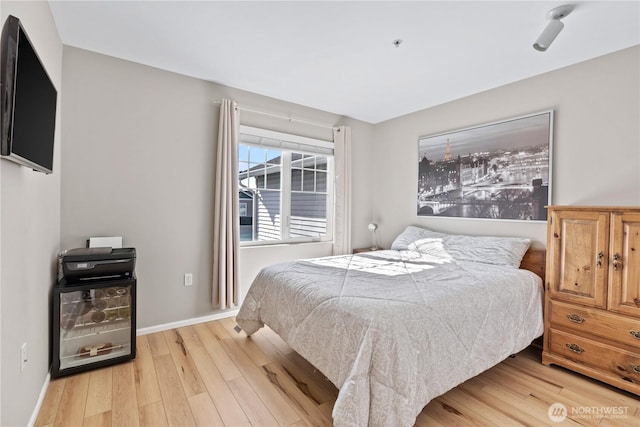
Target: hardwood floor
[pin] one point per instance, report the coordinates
(208, 375)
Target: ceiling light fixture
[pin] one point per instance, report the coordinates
(397, 42)
(553, 28)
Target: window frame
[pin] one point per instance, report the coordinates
(290, 143)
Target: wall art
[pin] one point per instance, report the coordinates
(498, 170)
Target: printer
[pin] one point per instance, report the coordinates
(86, 264)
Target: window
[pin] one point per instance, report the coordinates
(286, 187)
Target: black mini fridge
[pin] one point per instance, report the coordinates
(94, 324)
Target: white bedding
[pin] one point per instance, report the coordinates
(395, 329)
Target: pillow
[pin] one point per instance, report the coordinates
(412, 234)
(507, 251)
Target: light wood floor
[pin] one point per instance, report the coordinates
(209, 375)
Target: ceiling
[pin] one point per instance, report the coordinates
(339, 56)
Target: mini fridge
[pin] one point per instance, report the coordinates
(94, 324)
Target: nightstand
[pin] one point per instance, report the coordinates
(360, 250)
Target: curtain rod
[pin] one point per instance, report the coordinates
(281, 116)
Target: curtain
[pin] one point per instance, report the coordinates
(342, 220)
(226, 226)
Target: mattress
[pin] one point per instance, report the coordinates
(395, 329)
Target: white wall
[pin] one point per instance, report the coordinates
(29, 241)
(138, 162)
(596, 148)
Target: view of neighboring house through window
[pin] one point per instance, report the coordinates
(285, 187)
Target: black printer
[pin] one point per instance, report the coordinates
(85, 264)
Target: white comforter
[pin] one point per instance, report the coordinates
(394, 329)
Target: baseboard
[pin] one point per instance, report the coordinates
(187, 322)
(43, 392)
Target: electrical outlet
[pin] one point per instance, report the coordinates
(23, 356)
(188, 279)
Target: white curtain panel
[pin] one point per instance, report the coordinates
(342, 223)
(226, 226)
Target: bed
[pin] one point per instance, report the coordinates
(393, 329)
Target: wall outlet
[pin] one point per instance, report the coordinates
(23, 356)
(188, 279)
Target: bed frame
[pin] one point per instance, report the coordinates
(535, 260)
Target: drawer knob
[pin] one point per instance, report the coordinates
(617, 264)
(575, 348)
(635, 368)
(600, 256)
(635, 334)
(575, 318)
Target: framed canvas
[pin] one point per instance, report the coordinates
(498, 170)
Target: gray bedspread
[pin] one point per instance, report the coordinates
(395, 329)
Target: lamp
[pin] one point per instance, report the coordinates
(372, 228)
(553, 28)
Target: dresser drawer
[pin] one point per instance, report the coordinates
(621, 363)
(596, 322)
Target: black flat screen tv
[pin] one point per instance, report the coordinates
(28, 101)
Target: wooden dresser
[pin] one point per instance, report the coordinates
(592, 298)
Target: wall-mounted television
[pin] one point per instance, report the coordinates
(28, 101)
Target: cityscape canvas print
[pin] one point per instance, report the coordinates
(499, 170)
